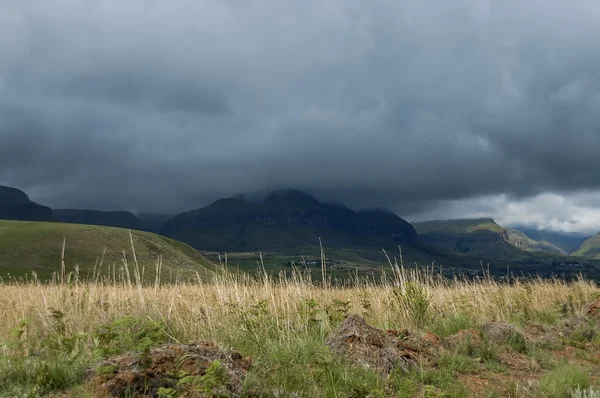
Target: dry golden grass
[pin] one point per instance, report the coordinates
(208, 309)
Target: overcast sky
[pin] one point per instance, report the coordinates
(434, 109)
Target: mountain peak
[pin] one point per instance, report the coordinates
(12, 196)
(16, 205)
(285, 220)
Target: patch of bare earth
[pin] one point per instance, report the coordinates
(143, 375)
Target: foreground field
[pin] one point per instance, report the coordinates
(255, 337)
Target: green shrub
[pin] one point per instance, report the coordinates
(414, 300)
(214, 377)
(308, 368)
(518, 343)
(129, 334)
(560, 382)
(447, 326)
(37, 376)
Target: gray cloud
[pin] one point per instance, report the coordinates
(166, 106)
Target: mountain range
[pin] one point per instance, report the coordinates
(286, 220)
(294, 223)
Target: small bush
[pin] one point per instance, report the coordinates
(129, 334)
(517, 343)
(447, 326)
(308, 368)
(547, 317)
(560, 382)
(27, 376)
(402, 383)
(215, 377)
(487, 351)
(414, 300)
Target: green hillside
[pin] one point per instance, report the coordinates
(481, 237)
(568, 242)
(590, 248)
(36, 246)
(524, 242)
(459, 226)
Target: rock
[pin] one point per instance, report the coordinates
(498, 332)
(365, 345)
(144, 375)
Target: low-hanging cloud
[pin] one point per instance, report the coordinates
(166, 106)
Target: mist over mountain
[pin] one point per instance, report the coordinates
(285, 219)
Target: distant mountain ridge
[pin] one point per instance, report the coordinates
(285, 219)
(120, 219)
(16, 205)
(294, 223)
(481, 236)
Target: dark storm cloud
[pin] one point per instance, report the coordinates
(165, 106)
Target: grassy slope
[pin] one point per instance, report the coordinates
(457, 226)
(488, 241)
(36, 246)
(524, 242)
(568, 242)
(470, 236)
(590, 248)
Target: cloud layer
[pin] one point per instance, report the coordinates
(168, 105)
